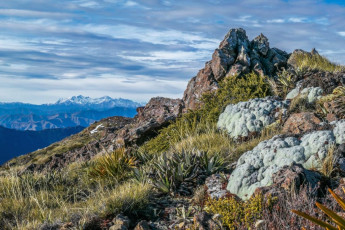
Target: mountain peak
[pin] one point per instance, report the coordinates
(104, 101)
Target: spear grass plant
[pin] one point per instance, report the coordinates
(333, 216)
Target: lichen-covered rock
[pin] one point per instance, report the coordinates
(312, 93)
(252, 116)
(215, 187)
(255, 168)
(339, 132)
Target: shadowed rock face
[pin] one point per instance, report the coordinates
(236, 55)
(155, 115)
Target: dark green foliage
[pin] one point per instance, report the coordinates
(233, 90)
(174, 172)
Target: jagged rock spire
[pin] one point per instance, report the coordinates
(236, 55)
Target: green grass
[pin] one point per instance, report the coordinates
(306, 61)
(28, 201)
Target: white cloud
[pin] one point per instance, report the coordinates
(144, 34)
(341, 33)
(276, 21)
(139, 88)
(33, 13)
(297, 20)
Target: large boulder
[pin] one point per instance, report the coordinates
(255, 168)
(245, 118)
(235, 56)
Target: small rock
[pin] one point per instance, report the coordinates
(204, 221)
(301, 122)
(120, 223)
(259, 224)
(142, 225)
(215, 186)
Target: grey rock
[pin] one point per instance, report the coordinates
(255, 168)
(339, 132)
(261, 44)
(214, 186)
(120, 223)
(241, 119)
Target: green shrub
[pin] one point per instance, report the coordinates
(233, 90)
(236, 213)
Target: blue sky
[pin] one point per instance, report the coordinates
(139, 49)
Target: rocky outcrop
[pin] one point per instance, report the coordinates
(112, 133)
(299, 123)
(236, 55)
(255, 168)
(245, 118)
(80, 147)
(156, 114)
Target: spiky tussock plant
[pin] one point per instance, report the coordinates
(333, 216)
(112, 166)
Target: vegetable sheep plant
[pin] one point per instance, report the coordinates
(338, 220)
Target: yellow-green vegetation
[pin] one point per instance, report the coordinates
(233, 90)
(306, 61)
(285, 83)
(337, 99)
(300, 104)
(27, 201)
(114, 166)
(236, 213)
(203, 121)
(333, 216)
(329, 162)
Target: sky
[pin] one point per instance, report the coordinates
(140, 49)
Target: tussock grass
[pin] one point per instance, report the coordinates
(329, 162)
(28, 201)
(307, 61)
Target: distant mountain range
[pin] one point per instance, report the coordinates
(15, 142)
(71, 112)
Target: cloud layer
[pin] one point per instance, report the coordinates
(139, 49)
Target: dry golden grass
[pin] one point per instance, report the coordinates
(28, 201)
(305, 61)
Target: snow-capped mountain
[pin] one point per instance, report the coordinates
(105, 101)
(74, 111)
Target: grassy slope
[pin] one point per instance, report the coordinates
(30, 200)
